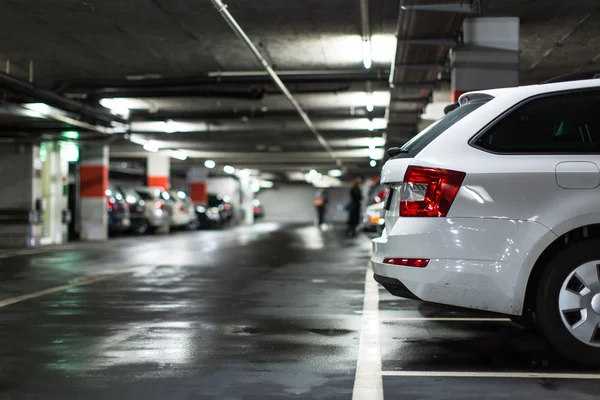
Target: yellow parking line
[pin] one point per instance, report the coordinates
(61, 288)
(519, 375)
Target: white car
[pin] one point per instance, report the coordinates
(184, 213)
(497, 207)
(158, 208)
(373, 220)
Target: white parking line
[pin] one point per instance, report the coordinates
(519, 375)
(449, 319)
(368, 382)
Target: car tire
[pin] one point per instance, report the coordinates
(554, 303)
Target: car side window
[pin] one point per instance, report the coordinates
(565, 123)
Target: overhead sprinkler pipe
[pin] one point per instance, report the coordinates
(222, 8)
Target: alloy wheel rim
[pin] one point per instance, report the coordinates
(579, 303)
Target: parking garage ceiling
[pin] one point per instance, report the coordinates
(190, 83)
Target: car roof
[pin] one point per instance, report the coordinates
(522, 92)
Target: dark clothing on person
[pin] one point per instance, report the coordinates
(354, 210)
(322, 208)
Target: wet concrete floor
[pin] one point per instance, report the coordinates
(263, 312)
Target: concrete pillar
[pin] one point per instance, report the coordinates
(158, 170)
(197, 184)
(490, 57)
(247, 200)
(20, 195)
(94, 183)
(54, 186)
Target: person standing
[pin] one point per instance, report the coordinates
(320, 205)
(356, 198)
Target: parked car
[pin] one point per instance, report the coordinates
(208, 218)
(158, 208)
(184, 214)
(259, 211)
(496, 207)
(373, 220)
(118, 212)
(222, 203)
(137, 209)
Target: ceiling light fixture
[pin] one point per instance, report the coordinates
(336, 173)
(244, 173)
(371, 126)
(229, 169)
(373, 163)
(116, 106)
(151, 147)
(367, 53)
(169, 126)
(210, 164)
(178, 154)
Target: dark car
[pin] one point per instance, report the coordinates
(118, 212)
(208, 218)
(224, 206)
(137, 210)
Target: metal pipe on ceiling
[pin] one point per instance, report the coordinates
(222, 8)
(56, 100)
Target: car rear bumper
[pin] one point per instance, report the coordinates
(474, 262)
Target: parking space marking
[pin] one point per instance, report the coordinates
(27, 252)
(518, 375)
(61, 288)
(449, 319)
(368, 382)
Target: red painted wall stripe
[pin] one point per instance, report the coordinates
(94, 180)
(457, 93)
(159, 181)
(198, 192)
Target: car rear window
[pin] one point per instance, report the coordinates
(426, 136)
(145, 195)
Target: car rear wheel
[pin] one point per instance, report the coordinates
(568, 302)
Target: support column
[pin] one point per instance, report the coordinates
(159, 170)
(490, 58)
(247, 199)
(94, 183)
(20, 196)
(198, 186)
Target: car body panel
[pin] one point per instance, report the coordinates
(509, 209)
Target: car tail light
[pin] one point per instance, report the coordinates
(183, 208)
(407, 262)
(160, 205)
(111, 204)
(429, 192)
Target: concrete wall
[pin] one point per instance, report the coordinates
(293, 203)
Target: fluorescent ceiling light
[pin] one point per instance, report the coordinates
(255, 186)
(313, 173)
(367, 53)
(116, 106)
(151, 147)
(178, 154)
(137, 140)
(169, 126)
(369, 102)
(244, 173)
(266, 184)
(336, 173)
(210, 164)
(229, 169)
(371, 126)
(74, 135)
(41, 108)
